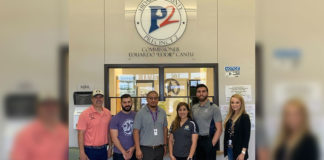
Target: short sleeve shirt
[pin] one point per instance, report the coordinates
(183, 138)
(95, 125)
(203, 115)
(145, 124)
(124, 124)
(37, 142)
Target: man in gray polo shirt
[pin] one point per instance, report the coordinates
(209, 120)
(150, 130)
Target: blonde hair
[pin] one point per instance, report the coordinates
(285, 133)
(231, 112)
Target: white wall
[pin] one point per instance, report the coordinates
(236, 47)
(86, 58)
(233, 45)
(292, 25)
(200, 35)
(31, 35)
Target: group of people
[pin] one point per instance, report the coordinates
(144, 135)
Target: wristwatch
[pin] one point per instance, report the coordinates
(243, 152)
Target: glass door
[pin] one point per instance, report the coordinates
(180, 86)
(174, 83)
(134, 81)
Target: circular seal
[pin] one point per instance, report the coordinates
(160, 22)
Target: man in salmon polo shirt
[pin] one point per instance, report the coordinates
(46, 137)
(93, 126)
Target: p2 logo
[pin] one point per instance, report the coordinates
(160, 22)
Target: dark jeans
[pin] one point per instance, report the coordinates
(181, 158)
(230, 153)
(96, 154)
(152, 154)
(118, 156)
(205, 150)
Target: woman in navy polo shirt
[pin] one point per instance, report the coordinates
(183, 134)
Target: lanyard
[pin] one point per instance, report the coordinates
(230, 129)
(156, 115)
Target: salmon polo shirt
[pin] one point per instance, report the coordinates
(95, 125)
(38, 142)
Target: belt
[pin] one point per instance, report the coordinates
(206, 136)
(153, 147)
(96, 147)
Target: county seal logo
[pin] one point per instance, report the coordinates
(160, 22)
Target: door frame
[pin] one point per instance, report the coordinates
(161, 68)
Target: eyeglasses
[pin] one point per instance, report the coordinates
(153, 98)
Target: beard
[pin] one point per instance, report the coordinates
(201, 99)
(126, 108)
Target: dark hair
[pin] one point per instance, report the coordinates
(150, 92)
(202, 85)
(176, 123)
(125, 96)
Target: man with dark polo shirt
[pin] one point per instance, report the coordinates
(150, 130)
(208, 118)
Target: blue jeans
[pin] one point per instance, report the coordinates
(96, 154)
(230, 154)
(118, 156)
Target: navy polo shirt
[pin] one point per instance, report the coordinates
(183, 138)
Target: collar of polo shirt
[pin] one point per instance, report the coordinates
(206, 104)
(148, 110)
(94, 110)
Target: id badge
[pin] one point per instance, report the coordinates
(155, 132)
(229, 142)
